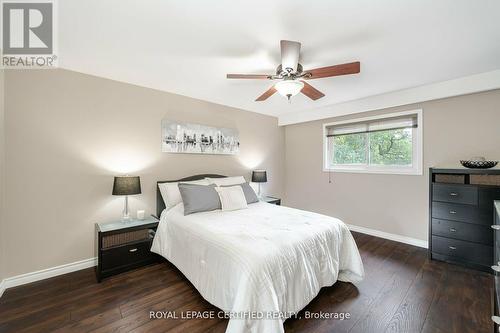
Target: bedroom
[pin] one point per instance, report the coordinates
(353, 229)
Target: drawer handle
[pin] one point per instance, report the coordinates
(452, 212)
(453, 194)
(453, 230)
(452, 247)
(495, 226)
(496, 268)
(132, 250)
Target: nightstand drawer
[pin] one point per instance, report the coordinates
(455, 194)
(125, 238)
(126, 255)
(463, 251)
(463, 231)
(457, 212)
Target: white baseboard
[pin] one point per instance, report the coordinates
(2, 287)
(46, 273)
(393, 237)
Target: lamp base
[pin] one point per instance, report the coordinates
(126, 218)
(126, 215)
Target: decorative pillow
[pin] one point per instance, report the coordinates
(199, 198)
(232, 198)
(250, 195)
(226, 181)
(170, 192)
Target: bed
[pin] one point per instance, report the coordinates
(261, 264)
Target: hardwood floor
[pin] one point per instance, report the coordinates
(403, 292)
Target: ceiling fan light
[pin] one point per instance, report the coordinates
(289, 88)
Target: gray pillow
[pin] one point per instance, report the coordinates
(199, 198)
(248, 191)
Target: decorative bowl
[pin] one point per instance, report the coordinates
(476, 164)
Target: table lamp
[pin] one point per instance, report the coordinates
(126, 185)
(259, 176)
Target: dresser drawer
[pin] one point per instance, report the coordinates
(463, 251)
(126, 255)
(457, 212)
(463, 231)
(455, 194)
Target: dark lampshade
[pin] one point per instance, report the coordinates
(259, 176)
(127, 185)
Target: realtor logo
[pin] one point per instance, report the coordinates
(28, 34)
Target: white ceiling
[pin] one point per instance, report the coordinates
(187, 47)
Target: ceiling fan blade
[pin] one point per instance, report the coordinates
(248, 76)
(290, 52)
(344, 69)
(269, 92)
(311, 92)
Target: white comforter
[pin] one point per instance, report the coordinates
(261, 262)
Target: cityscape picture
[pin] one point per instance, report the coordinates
(190, 138)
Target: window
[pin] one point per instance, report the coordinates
(391, 143)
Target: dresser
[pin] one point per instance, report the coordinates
(461, 215)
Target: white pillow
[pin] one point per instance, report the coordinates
(232, 198)
(171, 194)
(227, 181)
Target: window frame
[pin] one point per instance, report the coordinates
(417, 148)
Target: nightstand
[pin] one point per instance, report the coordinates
(122, 246)
(271, 200)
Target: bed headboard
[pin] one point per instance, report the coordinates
(160, 204)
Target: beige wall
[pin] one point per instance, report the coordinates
(454, 128)
(2, 168)
(67, 134)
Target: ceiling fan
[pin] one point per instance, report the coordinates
(291, 75)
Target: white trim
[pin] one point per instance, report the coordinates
(46, 273)
(417, 153)
(2, 287)
(461, 86)
(393, 237)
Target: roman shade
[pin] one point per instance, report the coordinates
(407, 121)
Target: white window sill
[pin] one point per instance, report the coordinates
(411, 172)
